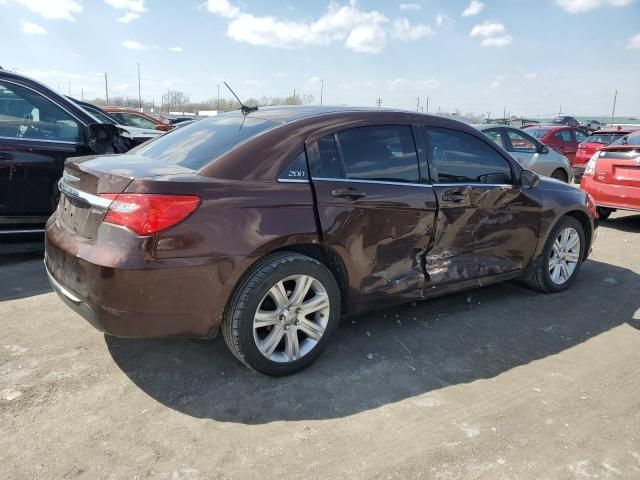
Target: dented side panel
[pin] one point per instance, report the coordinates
(382, 237)
(484, 231)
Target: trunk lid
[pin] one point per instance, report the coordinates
(81, 209)
(619, 166)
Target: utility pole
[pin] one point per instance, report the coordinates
(427, 104)
(106, 87)
(139, 94)
(82, 94)
(218, 107)
(379, 102)
(321, 90)
(504, 113)
(418, 105)
(560, 112)
(294, 96)
(613, 112)
(69, 91)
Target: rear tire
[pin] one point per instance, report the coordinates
(282, 314)
(561, 258)
(560, 174)
(604, 213)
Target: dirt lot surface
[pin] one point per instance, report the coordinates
(496, 383)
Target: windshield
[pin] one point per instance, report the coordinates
(631, 139)
(537, 132)
(558, 121)
(198, 144)
(603, 138)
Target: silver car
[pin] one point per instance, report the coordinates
(531, 154)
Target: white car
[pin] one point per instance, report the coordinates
(531, 154)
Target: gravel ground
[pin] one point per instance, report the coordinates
(500, 382)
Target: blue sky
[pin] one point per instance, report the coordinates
(476, 56)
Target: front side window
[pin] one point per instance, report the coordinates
(564, 136)
(521, 143)
(27, 114)
(384, 153)
(580, 136)
(496, 136)
(458, 157)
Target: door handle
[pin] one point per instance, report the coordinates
(348, 193)
(455, 197)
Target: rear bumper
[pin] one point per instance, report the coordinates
(169, 298)
(621, 197)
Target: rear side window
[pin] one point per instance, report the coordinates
(564, 136)
(324, 158)
(200, 143)
(458, 157)
(385, 152)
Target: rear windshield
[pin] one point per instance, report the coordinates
(631, 139)
(537, 132)
(198, 144)
(603, 138)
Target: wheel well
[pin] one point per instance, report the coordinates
(564, 171)
(586, 226)
(329, 259)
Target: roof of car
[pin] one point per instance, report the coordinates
(288, 113)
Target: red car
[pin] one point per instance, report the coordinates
(612, 176)
(561, 138)
(594, 143)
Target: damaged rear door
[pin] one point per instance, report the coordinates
(373, 209)
(486, 224)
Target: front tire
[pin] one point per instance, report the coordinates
(560, 174)
(561, 257)
(283, 314)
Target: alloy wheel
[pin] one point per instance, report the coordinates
(291, 318)
(564, 256)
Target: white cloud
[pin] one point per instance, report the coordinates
(313, 82)
(410, 6)
(404, 84)
(360, 30)
(33, 29)
(133, 45)
(176, 49)
(131, 5)
(474, 8)
(581, 6)
(487, 29)
(133, 9)
(128, 17)
(497, 41)
(253, 83)
(403, 30)
(634, 42)
(531, 75)
(53, 9)
(223, 8)
(442, 20)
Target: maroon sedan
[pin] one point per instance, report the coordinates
(270, 225)
(561, 138)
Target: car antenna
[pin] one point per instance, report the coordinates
(243, 108)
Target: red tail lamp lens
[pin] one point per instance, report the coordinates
(147, 214)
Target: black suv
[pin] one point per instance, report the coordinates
(39, 130)
(566, 120)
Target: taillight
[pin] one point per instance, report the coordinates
(147, 214)
(591, 166)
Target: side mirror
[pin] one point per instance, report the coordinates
(543, 149)
(528, 179)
